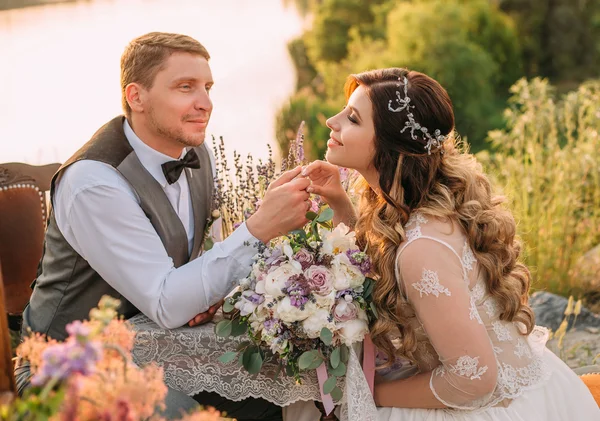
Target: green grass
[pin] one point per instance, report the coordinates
(547, 163)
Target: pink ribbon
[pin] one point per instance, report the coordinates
(369, 361)
(327, 400)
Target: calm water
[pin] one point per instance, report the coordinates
(59, 68)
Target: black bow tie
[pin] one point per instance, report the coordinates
(173, 169)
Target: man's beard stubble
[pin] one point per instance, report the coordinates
(177, 136)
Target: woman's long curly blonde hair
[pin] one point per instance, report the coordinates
(447, 184)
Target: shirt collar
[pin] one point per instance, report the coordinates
(150, 158)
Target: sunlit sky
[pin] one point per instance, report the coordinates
(59, 78)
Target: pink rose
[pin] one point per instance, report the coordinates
(304, 257)
(320, 280)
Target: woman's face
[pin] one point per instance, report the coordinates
(352, 139)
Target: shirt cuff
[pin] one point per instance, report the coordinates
(241, 245)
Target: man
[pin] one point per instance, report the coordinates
(130, 208)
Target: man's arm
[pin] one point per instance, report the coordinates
(100, 217)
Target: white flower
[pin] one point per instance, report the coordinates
(326, 301)
(317, 321)
(244, 305)
(260, 287)
(339, 240)
(289, 313)
(257, 271)
(278, 347)
(345, 309)
(276, 279)
(353, 331)
(346, 274)
(259, 316)
(245, 283)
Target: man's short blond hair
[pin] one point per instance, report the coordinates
(146, 55)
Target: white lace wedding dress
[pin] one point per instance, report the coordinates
(481, 368)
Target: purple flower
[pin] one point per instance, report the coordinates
(320, 280)
(305, 258)
(237, 225)
(296, 288)
(360, 260)
(63, 360)
(272, 326)
(256, 298)
(78, 331)
(275, 255)
(298, 144)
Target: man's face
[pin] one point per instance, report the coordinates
(178, 105)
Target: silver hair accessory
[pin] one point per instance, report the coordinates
(435, 141)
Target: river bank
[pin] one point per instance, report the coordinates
(18, 4)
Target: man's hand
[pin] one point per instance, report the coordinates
(207, 316)
(283, 208)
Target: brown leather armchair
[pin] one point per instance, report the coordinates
(23, 213)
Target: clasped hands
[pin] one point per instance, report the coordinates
(284, 206)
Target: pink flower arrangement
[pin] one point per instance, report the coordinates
(91, 376)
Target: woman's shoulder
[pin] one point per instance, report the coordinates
(428, 230)
(428, 224)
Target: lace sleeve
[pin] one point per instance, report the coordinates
(436, 285)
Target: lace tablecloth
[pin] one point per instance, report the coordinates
(189, 358)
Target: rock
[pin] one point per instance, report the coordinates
(549, 312)
(587, 269)
(593, 330)
(579, 348)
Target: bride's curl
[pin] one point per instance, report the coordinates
(448, 183)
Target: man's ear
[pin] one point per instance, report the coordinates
(135, 93)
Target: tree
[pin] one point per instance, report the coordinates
(560, 38)
(328, 40)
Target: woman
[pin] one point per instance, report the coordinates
(451, 296)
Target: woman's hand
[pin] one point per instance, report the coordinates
(326, 182)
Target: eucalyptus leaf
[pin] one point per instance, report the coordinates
(326, 215)
(310, 360)
(223, 328)
(368, 287)
(238, 327)
(339, 371)
(329, 385)
(251, 350)
(326, 225)
(344, 354)
(228, 306)
(255, 363)
(311, 215)
(326, 336)
(373, 309)
(242, 346)
(336, 394)
(289, 370)
(228, 357)
(335, 358)
(300, 233)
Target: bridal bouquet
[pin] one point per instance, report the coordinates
(306, 300)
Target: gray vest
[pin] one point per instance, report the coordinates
(67, 288)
